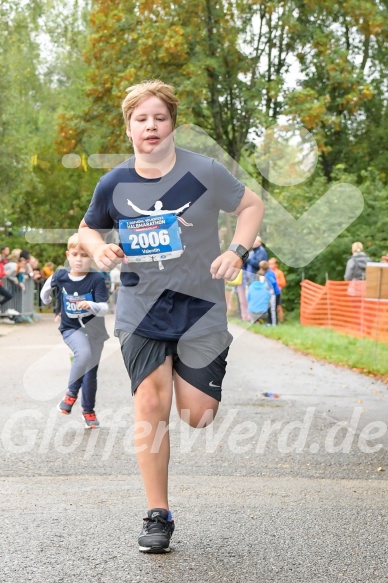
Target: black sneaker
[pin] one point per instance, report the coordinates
(156, 532)
(90, 419)
(66, 405)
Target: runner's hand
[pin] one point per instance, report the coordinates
(108, 255)
(226, 266)
(83, 305)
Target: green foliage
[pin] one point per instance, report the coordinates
(43, 252)
(37, 190)
(19, 86)
(341, 49)
(369, 228)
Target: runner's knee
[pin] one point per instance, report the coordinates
(150, 401)
(198, 419)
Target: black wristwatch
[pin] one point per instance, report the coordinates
(239, 250)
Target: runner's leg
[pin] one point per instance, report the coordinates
(89, 382)
(194, 407)
(152, 441)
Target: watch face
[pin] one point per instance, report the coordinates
(240, 251)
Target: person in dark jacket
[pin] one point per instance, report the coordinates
(251, 265)
(356, 265)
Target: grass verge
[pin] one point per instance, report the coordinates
(361, 354)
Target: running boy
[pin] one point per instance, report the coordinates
(171, 309)
(83, 299)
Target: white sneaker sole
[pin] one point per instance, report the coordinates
(90, 426)
(156, 550)
(62, 411)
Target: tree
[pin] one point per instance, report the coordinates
(19, 85)
(340, 50)
(228, 60)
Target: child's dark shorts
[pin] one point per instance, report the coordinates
(199, 361)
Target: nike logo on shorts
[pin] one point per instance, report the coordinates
(214, 386)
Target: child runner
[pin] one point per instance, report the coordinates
(171, 308)
(83, 303)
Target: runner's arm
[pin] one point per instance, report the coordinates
(105, 255)
(45, 293)
(99, 309)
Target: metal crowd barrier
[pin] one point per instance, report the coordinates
(22, 301)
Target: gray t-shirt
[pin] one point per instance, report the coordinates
(181, 299)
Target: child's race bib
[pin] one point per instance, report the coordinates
(70, 303)
(153, 238)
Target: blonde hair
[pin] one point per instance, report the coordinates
(357, 247)
(13, 257)
(150, 88)
(73, 241)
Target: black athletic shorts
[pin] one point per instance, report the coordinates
(199, 361)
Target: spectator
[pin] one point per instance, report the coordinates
(26, 254)
(356, 265)
(281, 281)
(4, 252)
(28, 271)
(5, 295)
(384, 258)
(258, 296)
(15, 271)
(35, 268)
(22, 272)
(38, 279)
(240, 288)
(271, 278)
(14, 255)
(251, 266)
(47, 270)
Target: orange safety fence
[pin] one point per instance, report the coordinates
(342, 305)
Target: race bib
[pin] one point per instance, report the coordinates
(154, 238)
(70, 303)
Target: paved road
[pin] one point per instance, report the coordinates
(276, 490)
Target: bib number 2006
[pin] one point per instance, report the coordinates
(152, 239)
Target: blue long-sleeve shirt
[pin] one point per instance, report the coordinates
(271, 277)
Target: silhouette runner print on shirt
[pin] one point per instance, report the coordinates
(158, 211)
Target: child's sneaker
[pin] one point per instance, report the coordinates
(66, 405)
(90, 419)
(156, 532)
